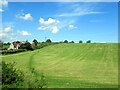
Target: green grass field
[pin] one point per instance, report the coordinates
(72, 65)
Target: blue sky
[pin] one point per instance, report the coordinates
(95, 21)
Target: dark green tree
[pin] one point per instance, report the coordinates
(35, 42)
(27, 46)
(65, 41)
(80, 41)
(48, 41)
(8, 43)
(72, 42)
(89, 41)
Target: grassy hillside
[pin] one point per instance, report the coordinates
(72, 65)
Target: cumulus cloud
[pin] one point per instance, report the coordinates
(4, 2)
(3, 34)
(50, 24)
(5, 30)
(72, 27)
(24, 33)
(25, 16)
(7, 33)
(54, 29)
(8, 29)
(1, 10)
(50, 21)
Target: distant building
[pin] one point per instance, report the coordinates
(16, 45)
(23, 42)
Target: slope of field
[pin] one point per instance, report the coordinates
(72, 65)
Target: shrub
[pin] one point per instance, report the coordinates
(13, 78)
(12, 51)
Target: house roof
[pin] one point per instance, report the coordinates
(16, 44)
(23, 41)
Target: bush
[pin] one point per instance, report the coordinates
(12, 51)
(13, 78)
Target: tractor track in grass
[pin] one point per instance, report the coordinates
(30, 64)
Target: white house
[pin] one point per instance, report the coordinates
(16, 45)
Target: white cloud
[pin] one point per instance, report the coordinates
(72, 27)
(42, 28)
(8, 29)
(103, 42)
(50, 21)
(25, 16)
(50, 24)
(1, 10)
(3, 34)
(4, 2)
(54, 29)
(78, 14)
(7, 33)
(79, 10)
(24, 33)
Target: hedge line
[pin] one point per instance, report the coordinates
(5, 52)
(12, 51)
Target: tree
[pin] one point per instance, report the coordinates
(80, 41)
(8, 43)
(35, 42)
(65, 41)
(48, 40)
(89, 41)
(27, 46)
(16, 42)
(72, 42)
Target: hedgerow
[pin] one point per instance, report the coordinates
(12, 51)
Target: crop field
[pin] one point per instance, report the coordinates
(72, 65)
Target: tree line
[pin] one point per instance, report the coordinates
(36, 44)
(65, 41)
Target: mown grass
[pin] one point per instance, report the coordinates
(73, 65)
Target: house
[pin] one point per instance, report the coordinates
(16, 45)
